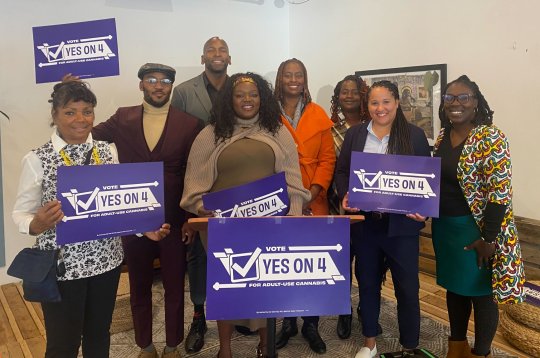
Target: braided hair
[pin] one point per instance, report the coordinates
(65, 92)
(400, 136)
(278, 93)
(362, 87)
(484, 114)
(223, 116)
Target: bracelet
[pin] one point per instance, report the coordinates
(487, 242)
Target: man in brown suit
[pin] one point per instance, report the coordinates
(154, 132)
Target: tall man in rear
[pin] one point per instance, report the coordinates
(196, 97)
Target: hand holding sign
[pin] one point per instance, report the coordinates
(46, 217)
(160, 233)
(345, 204)
(417, 217)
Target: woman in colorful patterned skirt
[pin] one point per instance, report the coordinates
(475, 238)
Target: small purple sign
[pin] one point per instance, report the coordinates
(400, 184)
(278, 267)
(263, 197)
(532, 293)
(102, 201)
(85, 49)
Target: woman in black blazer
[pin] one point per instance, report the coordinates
(385, 240)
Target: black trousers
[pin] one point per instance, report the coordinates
(85, 312)
(374, 252)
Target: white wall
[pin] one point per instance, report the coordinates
(495, 42)
(170, 32)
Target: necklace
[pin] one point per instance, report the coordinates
(67, 160)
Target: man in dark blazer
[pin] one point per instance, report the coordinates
(196, 97)
(154, 132)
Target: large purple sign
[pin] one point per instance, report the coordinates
(278, 266)
(399, 184)
(85, 49)
(101, 201)
(264, 197)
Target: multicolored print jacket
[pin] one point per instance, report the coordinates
(484, 173)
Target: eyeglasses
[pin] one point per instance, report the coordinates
(461, 98)
(153, 81)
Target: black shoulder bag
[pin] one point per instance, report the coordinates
(37, 268)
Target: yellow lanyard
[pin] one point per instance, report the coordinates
(69, 162)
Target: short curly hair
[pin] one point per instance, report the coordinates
(65, 92)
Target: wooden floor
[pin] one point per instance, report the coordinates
(22, 332)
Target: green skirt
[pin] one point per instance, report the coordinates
(457, 270)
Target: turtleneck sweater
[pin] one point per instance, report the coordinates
(154, 119)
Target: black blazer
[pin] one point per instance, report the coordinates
(355, 139)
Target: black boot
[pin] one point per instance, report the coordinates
(344, 324)
(288, 329)
(311, 334)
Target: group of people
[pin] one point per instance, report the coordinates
(217, 131)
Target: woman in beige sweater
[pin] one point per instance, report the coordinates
(245, 141)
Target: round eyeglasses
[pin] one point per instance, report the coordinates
(153, 81)
(461, 98)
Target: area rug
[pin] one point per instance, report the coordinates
(433, 336)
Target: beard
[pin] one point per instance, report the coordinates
(217, 71)
(154, 103)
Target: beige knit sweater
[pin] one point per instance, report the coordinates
(201, 170)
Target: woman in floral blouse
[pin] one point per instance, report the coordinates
(89, 282)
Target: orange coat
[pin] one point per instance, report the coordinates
(316, 151)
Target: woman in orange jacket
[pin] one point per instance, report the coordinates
(311, 130)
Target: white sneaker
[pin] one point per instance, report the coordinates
(365, 352)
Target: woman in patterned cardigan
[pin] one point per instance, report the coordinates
(475, 238)
(89, 281)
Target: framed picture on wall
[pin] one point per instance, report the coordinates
(419, 91)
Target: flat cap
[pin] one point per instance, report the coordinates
(156, 67)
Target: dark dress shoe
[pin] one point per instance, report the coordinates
(344, 323)
(288, 329)
(244, 330)
(195, 337)
(311, 334)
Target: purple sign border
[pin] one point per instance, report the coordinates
(242, 239)
(87, 49)
(377, 169)
(91, 196)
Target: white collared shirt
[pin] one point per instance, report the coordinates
(373, 143)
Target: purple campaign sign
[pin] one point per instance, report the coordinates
(532, 293)
(400, 184)
(85, 49)
(278, 267)
(102, 201)
(264, 197)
